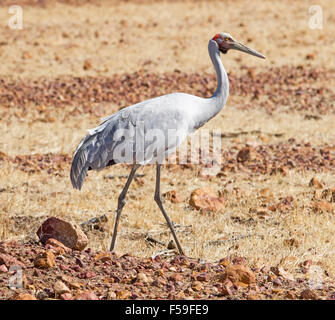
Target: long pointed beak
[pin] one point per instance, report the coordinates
(241, 47)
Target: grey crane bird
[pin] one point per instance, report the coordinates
(147, 132)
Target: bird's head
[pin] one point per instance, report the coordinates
(226, 42)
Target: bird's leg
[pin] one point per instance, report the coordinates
(158, 200)
(122, 202)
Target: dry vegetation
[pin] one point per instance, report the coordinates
(61, 42)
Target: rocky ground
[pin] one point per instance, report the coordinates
(53, 271)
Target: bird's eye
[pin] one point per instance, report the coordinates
(227, 39)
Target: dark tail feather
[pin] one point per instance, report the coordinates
(79, 167)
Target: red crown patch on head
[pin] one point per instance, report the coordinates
(216, 36)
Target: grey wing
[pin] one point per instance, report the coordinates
(96, 149)
(146, 133)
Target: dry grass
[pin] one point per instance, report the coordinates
(170, 36)
(161, 36)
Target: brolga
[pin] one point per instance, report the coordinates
(147, 132)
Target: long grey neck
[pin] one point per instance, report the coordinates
(220, 96)
(213, 105)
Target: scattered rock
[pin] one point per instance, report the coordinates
(60, 288)
(69, 234)
(322, 206)
(310, 56)
(266, 193)
(282, 273)
(9, 261)
(244, 155)
(176, 277)
(253, 297)
(103, 257)
(203, 277)
(57, 244)
(3, 268)
(86, 295)
(238, 273)
(173, 196)
(180, 295)
(291, 295)
(197, 286)
(142, 277)
(87, 64)
(309, 294)
(111, 295)
(45, 260)
(314, 182)
(66, 296)
(123, 294)
(329, 194)
(206, 199)
(224, 262)
(22, 296)
(87, 275)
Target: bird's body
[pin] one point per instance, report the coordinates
(149, 131)
(173, 116)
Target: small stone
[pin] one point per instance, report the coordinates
(69, 234)
(238, 273)
(86, 295)
(63, 267)
(277, 291)
(206, 199)
(314, 182)
(22, 296)
(309, 294)
(123, 294)
(87, 64)
(284, 274)
(171, 245)
(290, 295)
(57, 244)
(224, 262)
(3, 268)
(142, 277)
(180, 295)
(103, 257)
(9, 261)
(322, 206)
(173, 196)
(60, 288)
(45, 260)
(87, 275)
(244, 155)
(197, 286)
(176, 277)
(277, 281)
(111, 295)
(266, 193)
(74, 285)
(253, 297)
(66, 296)
(41, 295)
(328, 194)
(203, 277)
(310, 56)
